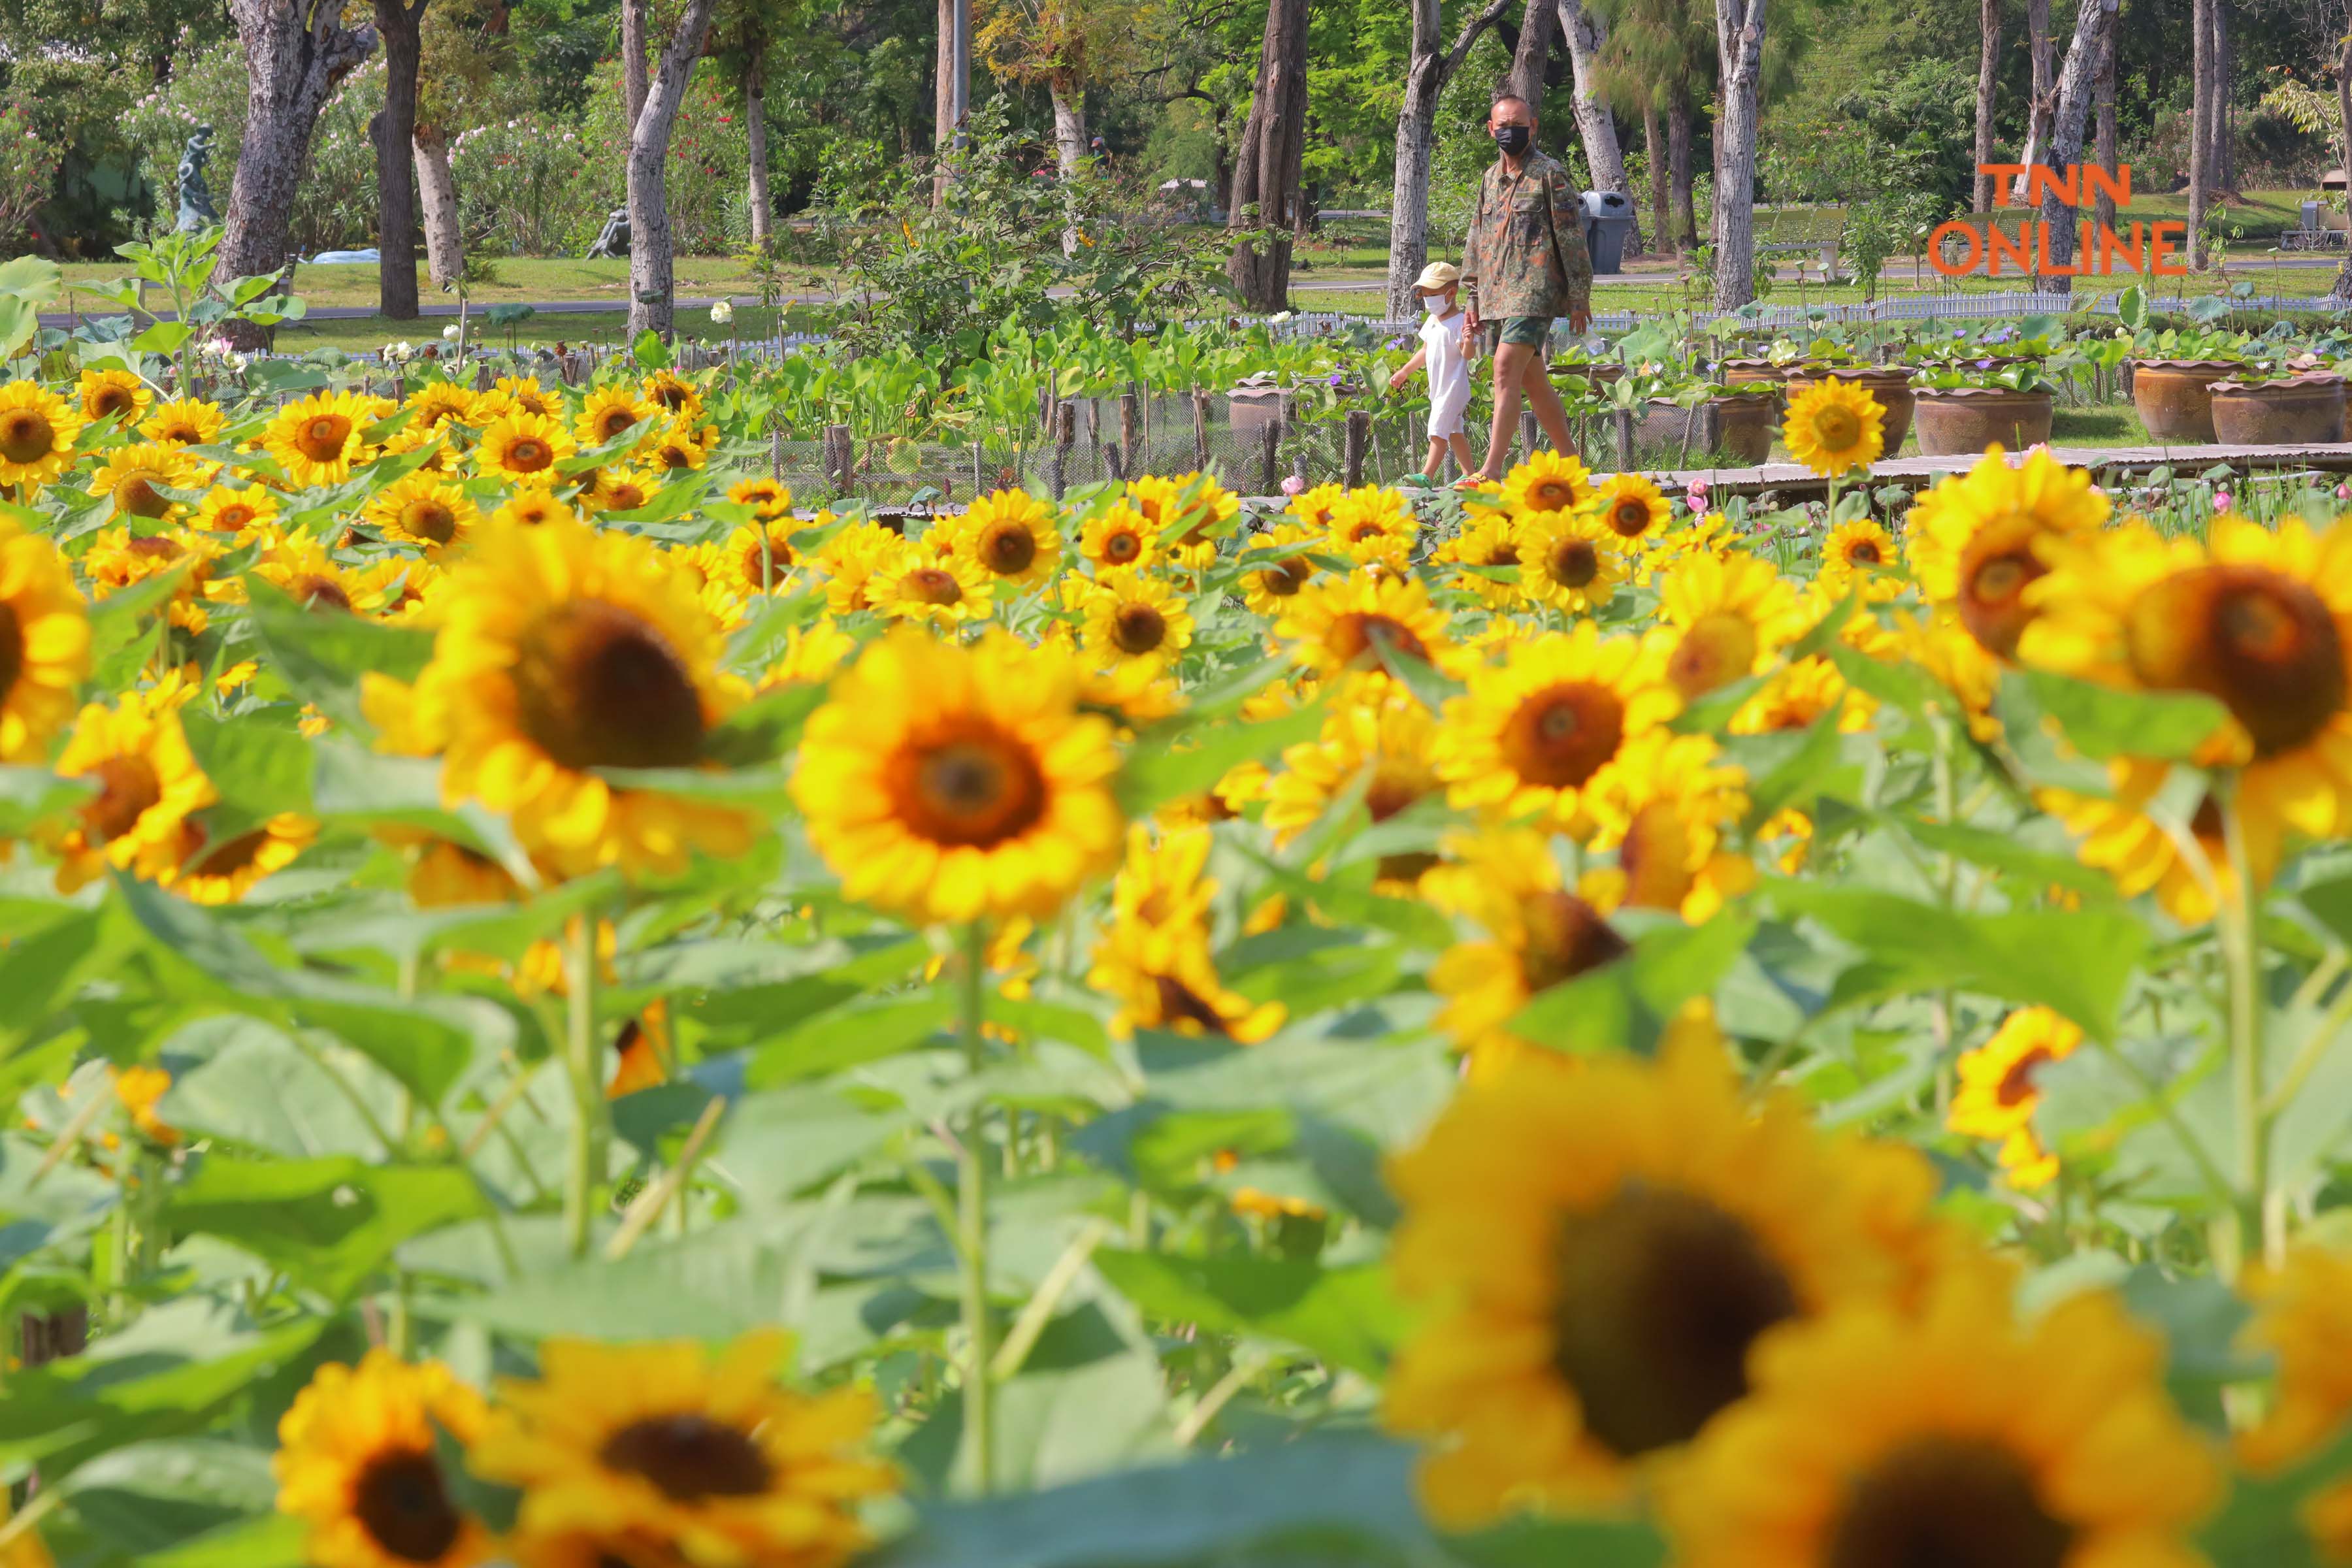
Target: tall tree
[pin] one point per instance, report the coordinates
(401, 26)
(2094, 25)
(1654, 147)
(1661, 53)
(2041, 100)
(633, 82)
(1432, 66)
(466, 45)
(747, 35)
(2103, 109)
(1266, 168)
(1988, 77)
(296, 54)
(1528, 53)
(2343, 286)
(651, 275)
(1585, 35)
(951, 93)
(2201, 72)
(1740, 45)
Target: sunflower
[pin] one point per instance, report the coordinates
(433, 515)
(214, 866)
(1132, 616)
(439, 459)
(1393, 737)
(768, 498)
(611, 488)
(947, 783)
(1370, 524)
(1798, 694)
(682, 446)
(147, 784)
(1937, 643)
(1535, 934)
(855, 562)
(237, 512)
(139, 1090)
(562, 653)
(1351, 624)
(1538, 738)
(439, 403)
(446, 874)
(1598, 1252)
(1997, 1098)
(43, 643)
(2120, 838)
(1491, 541)
(1277, 567)
(1957, 1435)
(1194, 502)
(357, 1463)
(1167, 979)
(931, 590)
(1634, 508)
(184, 422)
(812, 654)
(663, 1453)
(2303, 1317)
(1571, 561)
(1118, 537)
(1978, 542)
(302, 568)
(512, 395)
(1314, 508)
(755, 559)
(318, 440)
(37, 431)
(524, 449)
(674, 395)
(118, 558)
(1861, 548)
(532, 506)
(1727, 618)
(1012, 536)
(610, 410)
(118, 394)
(1547, 482)
(1834, 427)
(133, 475)
(2259, 620)
(1677, 800)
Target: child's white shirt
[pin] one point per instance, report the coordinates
(1445, 342)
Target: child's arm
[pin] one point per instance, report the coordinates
(1404, 371)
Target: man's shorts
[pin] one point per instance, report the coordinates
(1528, 332)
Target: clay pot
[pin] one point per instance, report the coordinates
(1890, 383)
(1744, 428)
(2175, 396)
(1960, 420)
(2304, 410)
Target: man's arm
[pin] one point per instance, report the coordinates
(1568, 223)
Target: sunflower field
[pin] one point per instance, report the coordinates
(557, 1010)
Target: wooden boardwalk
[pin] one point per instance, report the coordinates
(1796, 482)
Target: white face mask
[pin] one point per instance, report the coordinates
(1433, 304)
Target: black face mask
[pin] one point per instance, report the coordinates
(1514, 140)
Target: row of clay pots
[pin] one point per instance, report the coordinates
(2197, 402)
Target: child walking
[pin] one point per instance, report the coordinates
(1445, 346)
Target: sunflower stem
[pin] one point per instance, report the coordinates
(972, 1203)
(587, 1095)
(2242, 955)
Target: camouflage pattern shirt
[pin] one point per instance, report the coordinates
(1509, 264)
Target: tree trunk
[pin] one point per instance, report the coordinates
(2225, 70)
(1427, 71)
(2200, 119)
(953, 64)
(652, 280)
(1739, 59)
(2094, 25)
(1265, 174)
(755, 117)
(1068, 99)
(296, 56)
(1527, 76)
(445, 244)
(1654, 151)
(634, 85)
(1602, 152)
(2103, 109)
(401, 27)
(2343, 286)
(1988, 76)
(1678, 162)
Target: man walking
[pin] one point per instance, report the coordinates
(1524, 264)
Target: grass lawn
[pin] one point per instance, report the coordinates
(520, 278)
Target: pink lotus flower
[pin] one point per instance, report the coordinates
(2221, 500)
(1294, 485)
(2344, 492)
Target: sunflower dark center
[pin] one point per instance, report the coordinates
(2016, 1085)
(1369, 529)
(25, 437)
(1285, 577)
(1562, 735)
(400, 1500)
(1655, 857)
(1393, 791)
(230, 855)
(1008, 548)
(933, 585)
(1993, 578)
(973, 785)
(429, 520)
(1564, 937)
(1719, 648)
(1503, 554)
(108, 400)
(1180, 1002)
(614, 421)
(1550, 495)
(671, 396)
(528, 454)
(1357, 634)
(180, 433)
(12, 650)
(138, 496)
(2262, 643)
(1630, 516)
(625, 496)
(1573, 563)
(764, 567)
(1138, 628)
(1660, 1294)
(674, 455)
(1122, 546)
(1836, 427)
(689, 1457)
(233, 517)
(322, 438)
(596, 686)
(316, 592)
(127, 787)
(1863, 552)
(1946, 1502)
(152, 547)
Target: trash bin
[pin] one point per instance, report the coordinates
(1607, 219)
